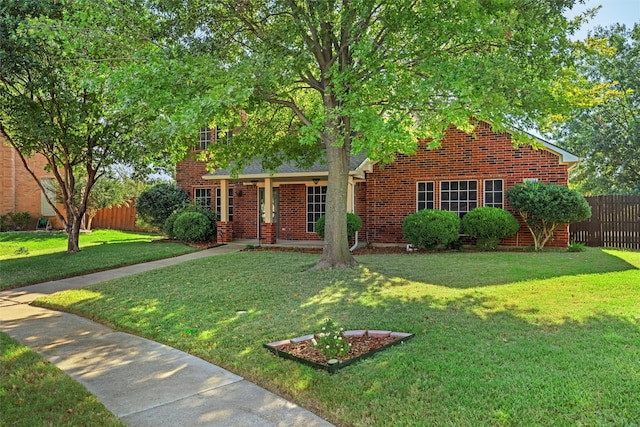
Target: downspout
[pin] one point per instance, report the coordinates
(355, 243)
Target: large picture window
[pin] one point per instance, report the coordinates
(229, 201)
(424, 196)
(316, 204)
(202, 197)
(494, 193)
(458, 196)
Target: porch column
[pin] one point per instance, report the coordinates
(350, 192)
(225, 228)
(268, 227)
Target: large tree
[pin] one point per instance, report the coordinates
(607, 136)
(332, 78)
(56, 60)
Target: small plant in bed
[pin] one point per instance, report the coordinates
(332, 342)
(335, 348)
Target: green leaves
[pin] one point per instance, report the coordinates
(544, 207)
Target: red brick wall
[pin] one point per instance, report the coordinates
(293, 213)
(391, 189)
(18, 190)
(389, 193)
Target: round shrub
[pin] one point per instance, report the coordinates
(157, 203)
(211, 216)
(488, 225)
(167, 228)
(192, 227)
(354, 223)
(429, 228)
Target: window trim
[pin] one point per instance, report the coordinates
(204, 138)
(484, 193)
(229, 203)
(311, 192)
(198, 199)
(426, 191)
(468, 201)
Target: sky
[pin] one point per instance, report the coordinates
(612, 11)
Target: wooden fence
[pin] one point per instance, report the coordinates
(117, 218)
(614, 223)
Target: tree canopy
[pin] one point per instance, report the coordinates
(607, 135)
(57, 98)
(328, 79)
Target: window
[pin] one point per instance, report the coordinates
(204, 139)
(424, 196)
(202, 197)
(223, 137)
(493, 193)
(316, 203)
(219, 203)
(458, 196)
(50, 188)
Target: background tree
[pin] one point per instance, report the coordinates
(110, 191)
(56, 98)
(607, 136)
(329, 78)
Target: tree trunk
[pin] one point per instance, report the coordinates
(336, 252)
(73, 234)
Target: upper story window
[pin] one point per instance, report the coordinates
(424, 196)
(494, 193)
(458, 196)
(207, 136)
(204, 138)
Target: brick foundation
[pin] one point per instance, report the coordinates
(225, 232)
(268, 232)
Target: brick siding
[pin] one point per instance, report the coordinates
(389, 193)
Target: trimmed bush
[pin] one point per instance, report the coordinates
(211, 216)
(354, 223)
(430, 228)
(545, 207)
(488, 225)
(192, 227)
(156, 204)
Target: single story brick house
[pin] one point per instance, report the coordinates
(465, 172)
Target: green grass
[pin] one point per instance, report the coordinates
(501, 338)
(35, 393)
(28, 258)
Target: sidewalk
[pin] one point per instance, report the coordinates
(142, 382)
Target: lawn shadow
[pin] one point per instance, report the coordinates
(472, 270)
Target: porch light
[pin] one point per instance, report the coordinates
(315, 181)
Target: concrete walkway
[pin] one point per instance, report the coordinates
(142, 382)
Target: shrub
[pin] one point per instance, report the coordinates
(354, 223)
(167, 228)
(5, 221)
(212, 217)
(157, 203)
(577, 247)
(21, 220)
(192, 227)
(429, 228)
(488, 225)
(544, 207)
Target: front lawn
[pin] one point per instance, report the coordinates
(501, 338)
(35, 393)
(27, 258)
